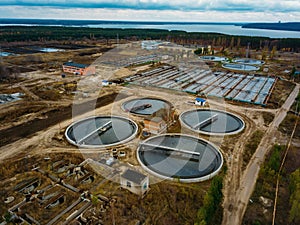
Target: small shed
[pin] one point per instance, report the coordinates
(105, 83)
(135, 182)
(200, 101)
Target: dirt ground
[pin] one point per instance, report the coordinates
(256, 211)
(36, 126)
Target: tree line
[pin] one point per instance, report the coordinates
(211, 211)
(51, 33)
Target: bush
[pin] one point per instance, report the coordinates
(198, 51)
(275, 158)
(252, 145)
(268, 117)
(294, 216)
(212, 202)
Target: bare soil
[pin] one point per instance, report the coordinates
(280, 93)
(38, 128)
(51, 118)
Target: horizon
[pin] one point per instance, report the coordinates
(147, 21)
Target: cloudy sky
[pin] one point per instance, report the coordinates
(154, 10)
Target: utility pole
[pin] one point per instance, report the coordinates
(117, 39)
(248, 50)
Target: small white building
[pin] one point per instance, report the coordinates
(135, 182)
(105, 83)
(200, 101)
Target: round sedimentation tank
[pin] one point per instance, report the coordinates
(212, 122)
(101, 131)
(180, 157)
(249, 61)
(240, 67)
(145, 106)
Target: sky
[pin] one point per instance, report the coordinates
(155, 10)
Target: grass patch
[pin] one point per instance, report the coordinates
(268, 117)
(265, 186)
(251, 146)
(278, 96)
(296, 104)
(294, 187)
(287, 125)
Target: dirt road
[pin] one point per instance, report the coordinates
(234, 211)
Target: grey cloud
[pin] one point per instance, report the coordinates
(192, 5)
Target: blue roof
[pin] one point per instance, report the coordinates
(200, 100)
(78, 65)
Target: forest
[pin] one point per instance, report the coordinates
(12, 34)
(291, 26)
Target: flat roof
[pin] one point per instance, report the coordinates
(78, 65)
(154, 119)
(133, 176)
(200, 100)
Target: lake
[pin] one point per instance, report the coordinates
(208, 28)
(225, 28)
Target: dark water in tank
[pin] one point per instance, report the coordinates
(121, 129)
(156, 104)
(168, 164)
(226, 123)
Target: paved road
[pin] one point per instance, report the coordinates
(235, 215)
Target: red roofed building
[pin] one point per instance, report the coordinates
(78, 69)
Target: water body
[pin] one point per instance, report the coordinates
(120, 130)
(171, 164)
(224, 28)
(51, 50)
(45, 49)
(226, 123)
(211, 28)
(6, 98)
(156, 104)
(240, 67)
(6, 54)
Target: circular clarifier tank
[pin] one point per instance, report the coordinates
(249, 61)
(212, 122)
(240, 67)
(145, 106)
(101, 131)
(177, 156)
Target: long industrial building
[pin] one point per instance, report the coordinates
(78, 69)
